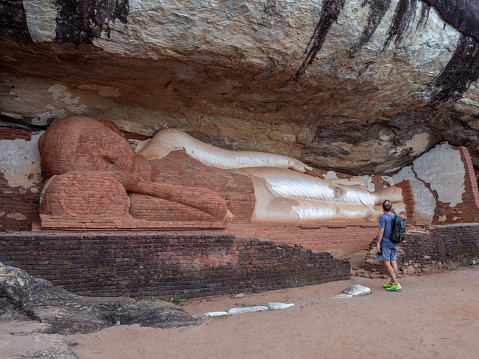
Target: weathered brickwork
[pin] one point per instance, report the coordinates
(236, 188)
(470, 198)
(18, 207)
(341, 239)
(442, 247)
(157, 264)
(7, 133)
(408, 198)
(435, 248)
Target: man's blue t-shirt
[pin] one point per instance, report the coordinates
(386, 222)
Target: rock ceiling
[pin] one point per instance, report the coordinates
(362, 87)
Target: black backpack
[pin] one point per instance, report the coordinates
(399, 229)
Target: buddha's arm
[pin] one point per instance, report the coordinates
(197, 197)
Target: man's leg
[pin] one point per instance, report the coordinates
(391, 272)
(395, 268)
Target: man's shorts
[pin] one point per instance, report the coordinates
(388, 254)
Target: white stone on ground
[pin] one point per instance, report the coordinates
(256, 308)
(275, 305)
(357, 290)
(214, 314)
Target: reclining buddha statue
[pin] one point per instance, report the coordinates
(96, 180)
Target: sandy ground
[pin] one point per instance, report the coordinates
(434, 316)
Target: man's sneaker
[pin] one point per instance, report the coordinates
(387, 285)
(394, 287)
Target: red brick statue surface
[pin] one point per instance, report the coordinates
(96, 181)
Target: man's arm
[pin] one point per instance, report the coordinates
(380, 237)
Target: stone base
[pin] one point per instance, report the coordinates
(120, 224)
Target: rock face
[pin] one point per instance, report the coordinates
(16, 284)
(35, 345)
(34, 315)
(68, 313)
(359, 87)
(62, 312)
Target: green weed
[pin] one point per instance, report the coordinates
(176, 299)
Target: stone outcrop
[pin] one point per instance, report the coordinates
(62, 312)
(16, 284)
(359, 87)
(68, 313)
(35, 346)
(34, 315)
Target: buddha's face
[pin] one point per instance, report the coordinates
(84, 144)
(101, 149)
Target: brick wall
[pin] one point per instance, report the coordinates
(408, 198)
(441, 246)
(18, 207)
(341, 239)
(434, 248)
(7, 133)
(157, 264)
(470, 198)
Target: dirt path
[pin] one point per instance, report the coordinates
(434, 316)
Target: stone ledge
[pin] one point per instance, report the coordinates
(116, 224)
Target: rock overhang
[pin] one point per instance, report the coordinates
(357, 87)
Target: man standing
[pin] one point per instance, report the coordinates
(387, 250)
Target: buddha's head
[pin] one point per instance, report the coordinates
(83, 144)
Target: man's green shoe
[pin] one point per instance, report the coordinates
(387, 285)
(394, 287)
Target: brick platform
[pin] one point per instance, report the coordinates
(188, 264)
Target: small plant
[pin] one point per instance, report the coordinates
(176, 299)
(449, 268)
(164, 299)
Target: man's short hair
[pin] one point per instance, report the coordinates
(387, 205)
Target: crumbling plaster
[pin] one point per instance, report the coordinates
(438, 175)
(20, 162)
